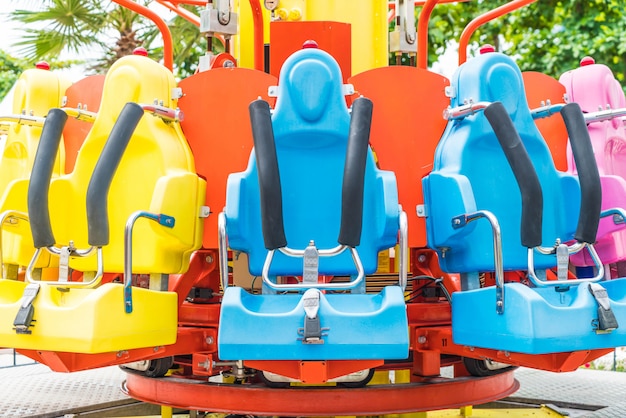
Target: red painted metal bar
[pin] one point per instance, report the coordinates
(427, 395)
(422, 32)
(174, 6)
(482, 19)
(257, 19)
(168, 56)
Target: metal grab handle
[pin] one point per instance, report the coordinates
(619, 215)
(66, 284)
(23, 119)
(547, 110)
(573, 249)
(80, 114)
(222, 249)
(322, 253)
(468, 109)
(161, 219)
(603, 115)
(166, 113)
(461, 221)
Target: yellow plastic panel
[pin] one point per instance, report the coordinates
(367, 17)
(156, 173)
(36, 92)
(89, 320)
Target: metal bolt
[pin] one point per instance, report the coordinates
(421, 339)
(209, 340)
(421, 258)
(209, 259)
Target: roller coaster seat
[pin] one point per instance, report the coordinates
(155, 174)
(36, 91)
(310, 125)
(595, 88)
(470, 174)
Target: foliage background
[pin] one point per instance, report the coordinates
(550, 36)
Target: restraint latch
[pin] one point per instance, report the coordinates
(606, 319)
(310, 266)
(562, 261)
(312, 331)
(24, 317)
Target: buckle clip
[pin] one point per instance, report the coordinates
(606, 321)
(24, 318)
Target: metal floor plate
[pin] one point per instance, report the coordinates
(30, 391)
(33, 390)
(602, 391)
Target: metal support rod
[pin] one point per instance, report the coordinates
(463, 220)
(163, 220)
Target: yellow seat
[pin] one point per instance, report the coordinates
(36, 92)
(93, 328)
(156, 174)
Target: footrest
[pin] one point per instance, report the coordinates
(88, 320)
(539, 320)
(353, 326)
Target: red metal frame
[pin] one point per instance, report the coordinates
(168, 56)
(484, 18)
(428, 395)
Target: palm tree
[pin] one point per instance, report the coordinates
(56, 26)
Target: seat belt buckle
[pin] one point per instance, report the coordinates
(24, 318)
(606, 321)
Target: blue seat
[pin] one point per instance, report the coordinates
(311, 125)
(471, 174)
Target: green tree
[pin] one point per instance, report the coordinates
(54, 26)
(10, 70)
(550, 36)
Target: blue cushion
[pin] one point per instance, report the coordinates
(311, 123)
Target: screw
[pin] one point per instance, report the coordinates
(209, 340)
(421, 339)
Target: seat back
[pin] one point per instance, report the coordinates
(36, 91)
(594, 88)
(156, 174)
(84, 94)
(216, 124)
(398, 94)
(472, 173)
(310, 126)
(541, 88)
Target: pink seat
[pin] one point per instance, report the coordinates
(594, 88)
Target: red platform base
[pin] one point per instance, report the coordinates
(436, 393)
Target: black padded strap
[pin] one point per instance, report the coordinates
(109, 160)
(588, 175)
(524, 172)
(269, 177)
(40, 177)
(354, 173)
